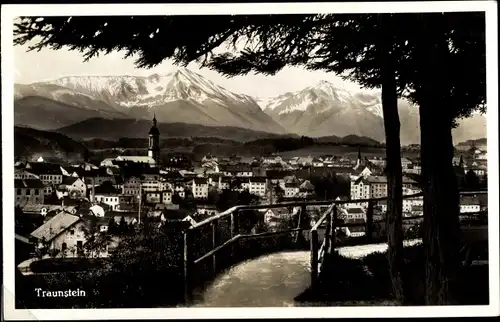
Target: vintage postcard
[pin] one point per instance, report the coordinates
(265, 160)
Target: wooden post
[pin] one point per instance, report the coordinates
(234, 223)
(333, 226)
(369, 221)
(234, 230)
(328, 233)
(187, 266)
(314, 259)
(301, 220)
(214, 245)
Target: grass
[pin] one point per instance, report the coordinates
(344, 281)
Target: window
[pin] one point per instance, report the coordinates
(37, 192)
(27, 192)
(19, 191)
(72, 232)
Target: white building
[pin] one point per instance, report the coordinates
(469, 204)
(291, 189)
(166, 197)
(110, 199)
(132, 186)
(258, 186)
(23, 174)
(199, 187)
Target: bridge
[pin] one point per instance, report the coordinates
(224, 262)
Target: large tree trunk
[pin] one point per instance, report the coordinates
(392, 128)
(441, 196)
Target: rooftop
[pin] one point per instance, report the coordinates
(55, 226)
(28, 183)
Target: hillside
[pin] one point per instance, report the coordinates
(31, 142)
(113, 129)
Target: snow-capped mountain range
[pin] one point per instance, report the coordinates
(180, 96)
(184, 96)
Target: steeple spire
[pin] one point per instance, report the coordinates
(359, 153)
(154, 118)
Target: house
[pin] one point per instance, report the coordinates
(361, 171)
(179, 190)
(257, 186)
(408, 204)
(24, 174)
(469, 204)
(236, 170)
(307, 187)
(47, 172)
(154, 197)
(414, 168)
(354, 213)
(166, 197)
(291, 190)
(482, 155)
(405, 162)
(136, 159)
(206, 210)
(224, 183)
(98, 176)
(378, 186)
(73, 186)
(29, 191)
(64, 232)
(199, 187)
(342, 171)
(271, 159)
(48, 189)
(360, 189)
(132, 186)
(317, 163)
(44, 210)
(305, 161)
(110, 199)
(417, 210)
(274, 216)
(478, 170)
(356, 231)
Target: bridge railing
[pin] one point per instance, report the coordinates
(330, 221)
(213, 231)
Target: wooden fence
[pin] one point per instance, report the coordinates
(210, 233)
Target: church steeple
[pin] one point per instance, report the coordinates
(154, 141)
(359, 161)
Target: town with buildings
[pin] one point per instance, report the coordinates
(53, 200)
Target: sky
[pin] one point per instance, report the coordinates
(47, 64)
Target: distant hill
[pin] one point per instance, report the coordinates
(33, 143)
(478, 142)
(107, 129)
(30, 142)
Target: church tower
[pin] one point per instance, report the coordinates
(359, 161)
(154, 142)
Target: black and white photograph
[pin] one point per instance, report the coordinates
(318, 157)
